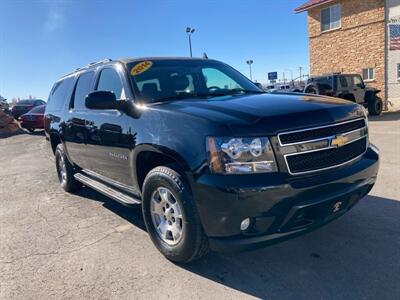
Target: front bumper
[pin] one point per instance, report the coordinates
(280, 206)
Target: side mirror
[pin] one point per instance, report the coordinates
(107, 100)
(101, 100)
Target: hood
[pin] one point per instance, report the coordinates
(268, 113)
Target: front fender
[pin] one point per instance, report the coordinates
(161, 150)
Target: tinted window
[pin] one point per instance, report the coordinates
(163, 80)
(60, 93)
(82, 88)
(343, 82)
(38, 109)
(324, 83)
(110, 81)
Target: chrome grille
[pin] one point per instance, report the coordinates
(325, 147)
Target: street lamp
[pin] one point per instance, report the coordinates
(250, 62)
(189, 32)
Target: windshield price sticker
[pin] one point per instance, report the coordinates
(141, 67)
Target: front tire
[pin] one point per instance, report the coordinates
(312, 90)
(65, 171)
(375, 106)
(171, 217)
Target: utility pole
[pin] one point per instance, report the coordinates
(291, 74)
(250, 62)
(189, 32)
(300, 69)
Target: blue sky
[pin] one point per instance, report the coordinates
(42, 40)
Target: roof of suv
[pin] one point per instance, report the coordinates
(129, 60)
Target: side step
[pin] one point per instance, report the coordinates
(106, 190)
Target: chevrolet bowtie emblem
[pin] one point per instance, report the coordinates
(339, 141)
(337, 206)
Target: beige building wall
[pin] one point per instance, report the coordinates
(393, 57)
(359, 43)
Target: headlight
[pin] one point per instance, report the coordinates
(365, 113)
(240, 155)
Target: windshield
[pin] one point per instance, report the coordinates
(38, 109)
(166, 80)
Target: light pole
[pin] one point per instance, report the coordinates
(189, 32)
(250, 62)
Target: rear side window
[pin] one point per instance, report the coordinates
(110, 81)
(343, 82)
(60, 93)
(38, 109)
(82, 89)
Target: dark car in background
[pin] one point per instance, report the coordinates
(346, 86)
(34, 119)
(23, 106)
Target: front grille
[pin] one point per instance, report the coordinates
(317, 133)
(328, 158)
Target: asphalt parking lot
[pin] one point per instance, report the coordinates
(56, 245)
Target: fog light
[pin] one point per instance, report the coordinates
(245, 224)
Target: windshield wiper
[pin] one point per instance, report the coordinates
(186, 96)
(206, 95)
(243, 91)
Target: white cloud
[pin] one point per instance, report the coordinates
(54, 20)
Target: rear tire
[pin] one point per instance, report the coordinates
(375, 106)
(160, 184)
(65, 171)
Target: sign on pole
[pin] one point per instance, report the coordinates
(272, 75)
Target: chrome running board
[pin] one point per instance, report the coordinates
(107, 190)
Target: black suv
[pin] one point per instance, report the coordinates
(346, 86)
(214, 161)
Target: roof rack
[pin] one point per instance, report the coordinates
(92, 64)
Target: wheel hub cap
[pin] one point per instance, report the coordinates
(166, 215)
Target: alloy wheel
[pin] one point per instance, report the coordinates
(167, 216)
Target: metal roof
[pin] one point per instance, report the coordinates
(311, 4)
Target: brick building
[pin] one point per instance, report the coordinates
(352, 36)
